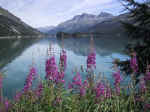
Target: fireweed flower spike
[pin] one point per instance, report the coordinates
(118, 79)
(30, 79)
(77, 84)
(83, 88)
(60, 78)
(100, 89)
(82, 91)
(18, 96)
(51, 69)
(108, 92)
(6, 105)
(133, 62)
(70, 85)
(91, 59)
(63, 60)
(77, 81)
(85, 83)
(142, 85)
(39, 89)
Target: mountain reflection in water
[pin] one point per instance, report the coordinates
(17, 55)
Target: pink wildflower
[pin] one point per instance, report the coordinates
(63, 60)
(39, 89)
(118, 79)
(29, 79)
(51, 69)
(133, 63)
(91, 60)
(77, 80)
(100, 90)
(18, 95)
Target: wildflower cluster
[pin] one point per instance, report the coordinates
(89, 95)
(118, 79)
(77, 84)
(29, 79)
(91, 60)
(63, 60)
(133, 62)
(51, 69)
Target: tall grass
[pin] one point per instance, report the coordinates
(94, 94)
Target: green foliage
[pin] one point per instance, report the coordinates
(138, 28)
(73, 102)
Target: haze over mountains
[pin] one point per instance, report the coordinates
(46, 28)
(103, 23)
(12, 25)
(81, 22)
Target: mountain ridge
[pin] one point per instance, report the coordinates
(12, 25)
(80, 23)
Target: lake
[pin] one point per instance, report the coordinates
(17, 56)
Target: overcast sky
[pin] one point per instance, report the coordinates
(38, 13)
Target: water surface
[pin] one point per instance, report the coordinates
(17, 56)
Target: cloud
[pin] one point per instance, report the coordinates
(95, 7)
(39, 13)
(90, 3)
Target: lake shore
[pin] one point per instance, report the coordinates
(21, 36)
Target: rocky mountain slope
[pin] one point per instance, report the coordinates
(112, 26)
(81, 23)
(104, 24)
(12, 25)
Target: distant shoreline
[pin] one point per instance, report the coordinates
(21, 36)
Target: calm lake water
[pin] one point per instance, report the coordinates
(17, 55)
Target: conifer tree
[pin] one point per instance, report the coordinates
(138, 28)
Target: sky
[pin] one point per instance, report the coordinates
(41, 13)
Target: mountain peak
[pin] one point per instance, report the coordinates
(82, 22)
(105, 14)
(84, 15)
